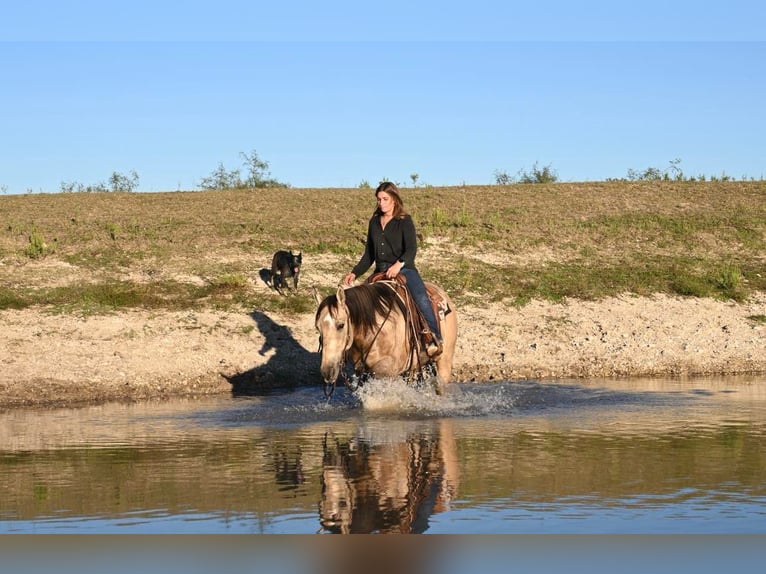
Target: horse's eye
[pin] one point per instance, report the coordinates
(339, 326)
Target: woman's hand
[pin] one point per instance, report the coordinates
(349, 279)
(393, 271)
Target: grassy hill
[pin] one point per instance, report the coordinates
(101, 252)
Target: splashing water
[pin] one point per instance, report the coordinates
(387, 395)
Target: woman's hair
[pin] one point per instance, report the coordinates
(391, 189)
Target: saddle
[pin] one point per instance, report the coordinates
(415, 316)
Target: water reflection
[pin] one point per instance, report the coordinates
(371, 485)
(566, 457)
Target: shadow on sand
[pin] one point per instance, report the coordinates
(290, 365)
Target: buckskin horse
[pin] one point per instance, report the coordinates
(371, 325)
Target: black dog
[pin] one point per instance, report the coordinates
(285, 264)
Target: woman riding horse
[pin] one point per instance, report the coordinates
(368, 326)
(392, 246)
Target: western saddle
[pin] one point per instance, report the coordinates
(415, 319)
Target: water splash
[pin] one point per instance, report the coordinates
(393, 395)
(394, 398)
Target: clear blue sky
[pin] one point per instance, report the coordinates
(331, 94)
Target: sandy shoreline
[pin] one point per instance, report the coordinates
(59, 359)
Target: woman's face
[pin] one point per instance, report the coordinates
(385, 203)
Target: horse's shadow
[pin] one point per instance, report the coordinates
(291, 365)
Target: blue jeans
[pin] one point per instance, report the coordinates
(418, 290)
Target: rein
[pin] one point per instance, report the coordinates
(380, 328)
(411, 327)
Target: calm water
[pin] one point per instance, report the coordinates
(631, 456)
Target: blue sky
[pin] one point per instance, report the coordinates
(338, 93)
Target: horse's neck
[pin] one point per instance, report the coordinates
(364, 340)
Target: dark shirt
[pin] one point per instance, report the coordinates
(385, 247)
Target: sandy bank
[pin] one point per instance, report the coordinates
(53, 359)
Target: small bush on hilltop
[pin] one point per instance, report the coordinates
(221, 178)
(121, 182)
(117, 182)
(502, 177)
(258, 176)
(545, 174)
(674, 173)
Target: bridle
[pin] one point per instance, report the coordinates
(329, 388)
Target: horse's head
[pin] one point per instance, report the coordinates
(334, 327)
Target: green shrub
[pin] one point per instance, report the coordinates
(37, 247)
(112, 229)
(117, 182)
(502, 177)
(544, 174)
(729, 278)
(258, 175)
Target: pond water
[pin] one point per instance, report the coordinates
(627, 456)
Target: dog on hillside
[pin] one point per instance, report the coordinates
(285, 264)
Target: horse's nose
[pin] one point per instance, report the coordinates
(330, 374)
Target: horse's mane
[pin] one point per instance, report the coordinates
(365, 302)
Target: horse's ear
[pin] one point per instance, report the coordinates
(341, 294)
(315, 294)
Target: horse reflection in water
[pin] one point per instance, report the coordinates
(391, 487)
(370, 325)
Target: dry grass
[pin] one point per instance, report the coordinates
(101, 251)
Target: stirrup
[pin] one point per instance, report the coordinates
(433, 350)
(428, 336)
(431, 343)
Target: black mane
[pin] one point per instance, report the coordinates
(365, 303)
